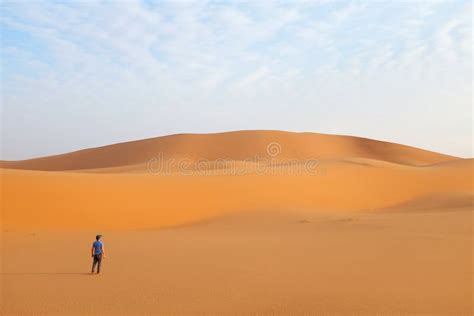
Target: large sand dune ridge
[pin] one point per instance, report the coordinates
(239, 145)
(114, 187)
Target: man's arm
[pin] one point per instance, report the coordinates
(92, 251)
(103, 251)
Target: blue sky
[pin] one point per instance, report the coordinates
(86, 74)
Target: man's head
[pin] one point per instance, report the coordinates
(98, 237)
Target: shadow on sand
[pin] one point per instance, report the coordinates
(45, 273)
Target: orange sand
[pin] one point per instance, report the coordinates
(374, 228)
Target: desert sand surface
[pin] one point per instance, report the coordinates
(371, 228)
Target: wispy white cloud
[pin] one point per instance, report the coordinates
(99, 72)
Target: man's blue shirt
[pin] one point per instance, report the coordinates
(97, 245)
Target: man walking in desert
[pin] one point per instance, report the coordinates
(98, 253)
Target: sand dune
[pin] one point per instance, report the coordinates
(239, 145)
(328, 225)
(65, 200)
(114, 186)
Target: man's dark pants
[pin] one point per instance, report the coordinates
(98, 262)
